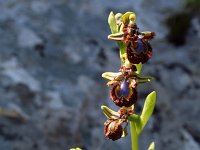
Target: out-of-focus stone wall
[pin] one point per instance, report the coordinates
(52, 54)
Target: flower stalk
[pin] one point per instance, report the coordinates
(134, 136)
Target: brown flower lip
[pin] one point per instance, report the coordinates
(113, 129)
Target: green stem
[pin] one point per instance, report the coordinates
(134, 136)
(122, 50)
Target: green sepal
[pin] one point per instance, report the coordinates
(115, 29)
(148, 109)
(109, 113)
(112, 23)
(152, 146)
(111, 75)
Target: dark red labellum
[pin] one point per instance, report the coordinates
(140, 51)
(140, 46)
(126, 101)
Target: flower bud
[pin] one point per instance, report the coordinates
(113, 129)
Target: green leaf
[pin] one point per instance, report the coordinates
(148, 108)
(152, 146)
(140, 121)
(112, 23)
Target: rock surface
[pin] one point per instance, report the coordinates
(52, 54)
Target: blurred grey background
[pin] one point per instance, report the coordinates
(52, 55)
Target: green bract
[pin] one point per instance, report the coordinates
(148, 108)
(140, 121)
